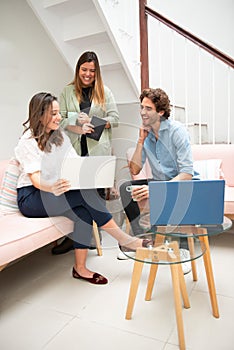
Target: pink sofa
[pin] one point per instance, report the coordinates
(213, 162)
(208, 154)
(20, 235)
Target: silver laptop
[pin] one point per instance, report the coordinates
(89, 172)
(186, 202)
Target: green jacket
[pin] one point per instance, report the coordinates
(69, 103)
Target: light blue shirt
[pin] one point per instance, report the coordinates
(171, 154)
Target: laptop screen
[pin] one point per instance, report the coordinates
(198, 202)
(89, 172)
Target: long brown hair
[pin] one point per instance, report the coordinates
(39, 105)
(97, 94)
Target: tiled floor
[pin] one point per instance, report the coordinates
(43, 307)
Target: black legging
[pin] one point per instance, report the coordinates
(133, 212)
(131, 207)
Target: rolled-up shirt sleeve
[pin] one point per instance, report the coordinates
(183, 150)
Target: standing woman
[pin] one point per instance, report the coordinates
(87, 96)
(42, 193)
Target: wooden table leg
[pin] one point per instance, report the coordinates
(151, 280)
(175, 246)
(3, 267)
(136, 275)
(178, 305)
(193, 262)
(168, 252)
(153, 271)
(210, 275)
(97, 238)
(183, 288)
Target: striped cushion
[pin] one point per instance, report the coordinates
(8, 192)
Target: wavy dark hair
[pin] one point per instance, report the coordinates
(97, 93)
(159, 99)
(39, 106)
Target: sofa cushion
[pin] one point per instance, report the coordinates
(21, 235)
(8, 192)
(209, 169)
(3, 165)
(218, 151)
(229, 200)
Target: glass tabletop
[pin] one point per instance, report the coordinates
(165, 247)
(184, 230)
(165, 250)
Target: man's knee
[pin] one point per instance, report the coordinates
(123, 189)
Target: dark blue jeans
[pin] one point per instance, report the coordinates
(81, 206)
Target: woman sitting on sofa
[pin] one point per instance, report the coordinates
(41, 192)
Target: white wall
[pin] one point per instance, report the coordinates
(29, 63)
(211, 21)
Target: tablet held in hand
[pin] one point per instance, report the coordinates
(99, 125)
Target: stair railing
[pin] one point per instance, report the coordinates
(146, 12)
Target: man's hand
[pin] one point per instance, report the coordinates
(143, 133)
(140, 192)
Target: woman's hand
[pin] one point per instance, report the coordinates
(87, 128)
(140, 192)
(83, 118)
(108, 125)
(60, 186)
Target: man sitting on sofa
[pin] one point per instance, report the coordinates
(166, 145)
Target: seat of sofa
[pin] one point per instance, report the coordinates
(21, 235)
(228, 198)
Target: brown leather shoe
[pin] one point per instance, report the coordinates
(145, 244)
(96, 279)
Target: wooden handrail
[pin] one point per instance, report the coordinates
(146, 10)
(144, 46)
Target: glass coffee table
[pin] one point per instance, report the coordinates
(165, 251)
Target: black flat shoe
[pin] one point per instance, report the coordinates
(63, 248)
(96, 279)
(92, 248)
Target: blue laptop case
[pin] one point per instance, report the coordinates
(186, 202)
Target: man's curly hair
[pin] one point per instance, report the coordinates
(159, 99)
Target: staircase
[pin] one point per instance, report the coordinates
(76, 26)
(111, 29)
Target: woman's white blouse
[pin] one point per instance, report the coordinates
(32, 159)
